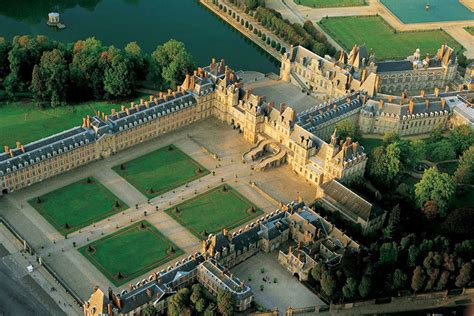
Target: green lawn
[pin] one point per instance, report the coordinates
(214, 210)
(377, 35)
(331, 3)
(161, 171)
(23, 121)
(370, 144)
(448, 167)
(470, 29)
(77, 205)
(130, 252)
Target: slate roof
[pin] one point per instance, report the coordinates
(353, 204)
(45, 148)
(312, 118)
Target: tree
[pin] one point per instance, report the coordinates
(87, 69)
(413, 254)
(365, 286)
(399, 279)
(464, 173)
(430, 210)
(441, 150)
(225, 303)
(464, 276)
(385, 164)
(210, 310)
(390, 138)
(443, 280)
(49, 78)
(179, 302)
(170, 63)
(328, 283)
(418, 279)
(351, 263)
(412, 152)
(461, 137)
(346, 129)
(393, 228)
(4, 63)
(459, 222)
(435, 186)
(349, 290)
(150, 310)
(200, 305)
(197, 293)
(388, 253)
(118, 78)
(316, 272)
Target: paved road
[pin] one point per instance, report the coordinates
(19, 293)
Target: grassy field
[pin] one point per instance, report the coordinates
(377, 35)
(77, 205)
(130, 252)
(448, 167)
(470, 29)
(331, 3)
(370, 144)
(214, 210)
(161, 171)
(23, 121)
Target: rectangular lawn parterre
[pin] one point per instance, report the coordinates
(160, 171)
(77, 205)
(214, 210)
(130, 252)
(379, 36)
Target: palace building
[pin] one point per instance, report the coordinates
(319, 242)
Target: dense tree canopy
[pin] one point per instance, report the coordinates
(435, 186)
(171, 62)
(464, 173)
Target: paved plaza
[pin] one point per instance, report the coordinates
(288, 291)
(210, 134)
(279, 91)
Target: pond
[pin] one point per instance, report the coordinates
(148, 22)
(416, 11)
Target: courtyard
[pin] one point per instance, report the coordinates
(210, 212)
(382, 39)
(280, 288)
(130, 252)
(77, 205)
(160, 171)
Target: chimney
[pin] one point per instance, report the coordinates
(112, 111)
(169, 91)
(334, 106)
(174, 94)
(224, 232)
(83, 122)
(6, 148)
(290, 249)
(446, 89)
(127, 110)
(155, 100)
(436, 92)
(141, 101)
(410, 106)
(122, 108)
(147, 104)
(427, 104)
(11, 153)
(22, 148)
(161, 94)
(282, 107)
(132, 104)
(200, 71)
(299, 256)
(95, 289)
(422, 93)
(151, 98)
(18, 144)
(213, 63)
(348, 141)
(109, 309)
(443, 103)
(106, 118)
(271, 104)
(381, 104)
(222, 62)
(195, 73)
